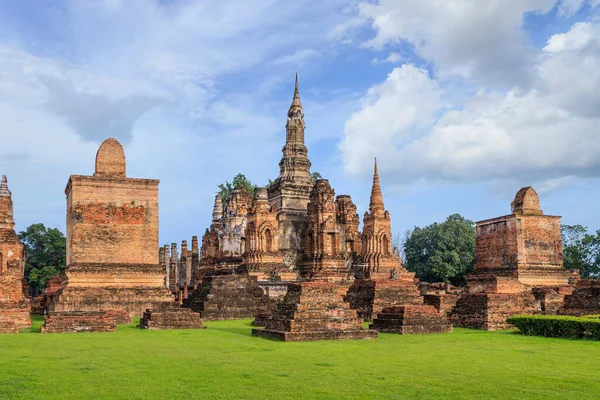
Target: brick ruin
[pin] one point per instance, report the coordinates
(14, 304)
(381, 280)
(410, 320)
(112, 245)
(173, 318)
(314, 308)
(518, 267)
(584, 299)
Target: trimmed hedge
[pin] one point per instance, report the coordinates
(587, 327)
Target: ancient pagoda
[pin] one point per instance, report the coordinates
(14, 304)
(290, 192)
(518, 267)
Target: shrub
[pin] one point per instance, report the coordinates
(587, 327)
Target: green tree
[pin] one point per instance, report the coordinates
(46, 255)
(581, 250)
(225, 189)
(441, 251)
(315, 175)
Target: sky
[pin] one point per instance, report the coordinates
(462, 102)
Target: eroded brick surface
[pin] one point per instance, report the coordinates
(411, 319)
(78, 322)
(173, 318)
(14, 305)
(314, 311)
(112, 243)
(518, 267)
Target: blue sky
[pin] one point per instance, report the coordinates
(462, 102)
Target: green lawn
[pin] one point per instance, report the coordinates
(225, 361)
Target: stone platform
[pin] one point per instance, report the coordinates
(411, 319)
(224, 297)
(130, 288)
(175, 318)
(443, 302)
(584, 300)
(314, 311)
(78, 321)
(370, 296)
(14, 316)
(489, 311)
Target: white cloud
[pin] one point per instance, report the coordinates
(161, 77)
(392, 58)
(482, 40)
(549, 132)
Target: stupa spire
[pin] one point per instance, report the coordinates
(4, 192)
(376, 203)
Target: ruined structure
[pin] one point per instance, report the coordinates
(290, 192)
(415, 319)
(112, 243)
(262, 256)
(325, 254)
(518, 257)
(382, 281)
(584, 299)
(174, 318)
(228, 296)
(315, 309)
(78, 322)
(14, 305)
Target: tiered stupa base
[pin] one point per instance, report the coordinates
(175, 318)
(79, 321)
(370, 296)
(490, 311)
(14, 316)
(130, 288)
(228, 297)
(412, 319)
(584, 300)
(314, 311)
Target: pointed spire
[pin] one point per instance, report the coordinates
(4, 192)
(296, 100)
(376, 205)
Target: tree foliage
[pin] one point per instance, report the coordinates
(225, 189)
(46, 255)
(316, 175)
(441, 251)
(581, 250)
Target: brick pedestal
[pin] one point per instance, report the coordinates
(314, 311)
(412, 319)
(175, 318)
(228, 297)
(370, 296)
(14, 316)
(490, 311)
(584, 300)
(78, 321)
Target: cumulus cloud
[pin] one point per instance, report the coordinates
(479, 40)
(163, 77)
(547, 132)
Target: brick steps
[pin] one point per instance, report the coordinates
(79, 321)
(411, 319)
(175, 318)
(228, 297)
(314, 311)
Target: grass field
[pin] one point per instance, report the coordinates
(225, 361)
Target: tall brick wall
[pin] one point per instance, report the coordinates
(540, 241)
(112, 220)
(496, 243)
